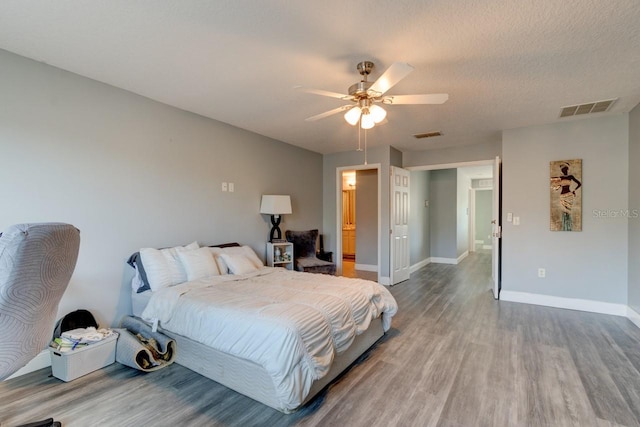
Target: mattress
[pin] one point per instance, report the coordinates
(291, 324)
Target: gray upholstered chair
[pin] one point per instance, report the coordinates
(304, 253)
(36, 263)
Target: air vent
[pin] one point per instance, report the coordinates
(588, 108)
(427, 135)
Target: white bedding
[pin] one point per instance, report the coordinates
(291, 323)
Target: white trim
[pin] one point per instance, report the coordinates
(479, 242)
(42, 360)
(450, 165)
(386, 281)
(634, 316)
(366, 267)
(487, 246)
(417, 266)
(338, 252)
(461, 257)
(568, 303)
(440, 260)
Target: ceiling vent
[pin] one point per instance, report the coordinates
(427, 135)
(588, 108)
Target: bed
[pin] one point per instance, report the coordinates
(274, 335)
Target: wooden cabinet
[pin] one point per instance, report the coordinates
(349, 241)
(280, 255)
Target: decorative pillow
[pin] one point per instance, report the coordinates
(222, 266)
(235, 250)
(238, 263)
(163, 266)
(198, 263)
(304, 242)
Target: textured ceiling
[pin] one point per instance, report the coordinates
(505, 64)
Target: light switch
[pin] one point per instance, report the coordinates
(516, 220)
(232, 187)
(509, 216)
(224, 186)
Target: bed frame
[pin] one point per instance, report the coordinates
(247, 377)
(251, 379)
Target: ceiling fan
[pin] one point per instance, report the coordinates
(364, 96)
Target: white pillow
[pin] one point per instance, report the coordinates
(198, 263)
(222, 266)
(163, 266)
(235, 250)
(238, 263)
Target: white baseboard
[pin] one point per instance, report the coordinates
(634, 316)
(568, 303)
(42, 360)
(366, 267)
(440, 260)
(417, 266)
(386, 281)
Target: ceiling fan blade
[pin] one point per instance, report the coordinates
(328, 113)
(324, 93)
(396, 72)
(434, 98)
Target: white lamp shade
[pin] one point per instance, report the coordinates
(352, 116)
(378, 113)
(367, 121)
(275, 205)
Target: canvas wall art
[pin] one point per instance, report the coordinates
(566, 195)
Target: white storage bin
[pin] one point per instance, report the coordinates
(72, 364)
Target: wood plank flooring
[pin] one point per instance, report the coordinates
(454, 357)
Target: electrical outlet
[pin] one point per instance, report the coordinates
(542, 273)
(509, 216)
(224, 186)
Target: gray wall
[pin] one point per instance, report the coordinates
(484, 212)
(634, 205)
(367, 217)
(131, 173)
(459, 154)
(330, 164)
(462, 212)
(591, 264)
(442, 213)
(419, 217)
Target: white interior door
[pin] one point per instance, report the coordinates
(496, 232)
(399, 245)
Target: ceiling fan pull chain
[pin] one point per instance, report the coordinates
(365, 147)
(359, 146)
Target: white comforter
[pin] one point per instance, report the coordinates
(293, 324)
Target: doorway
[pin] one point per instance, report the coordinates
(455, 234)
(358, 222)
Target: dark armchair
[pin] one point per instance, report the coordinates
(304, 253)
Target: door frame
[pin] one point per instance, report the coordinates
(339, 170)
(489, 162)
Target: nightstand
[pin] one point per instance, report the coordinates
(280, 254)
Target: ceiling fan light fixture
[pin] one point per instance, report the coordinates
(352, 116)
(367, 122)
(378, 113)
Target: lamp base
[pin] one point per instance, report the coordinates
(276, 233)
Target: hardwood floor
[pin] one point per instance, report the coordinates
(454, 357)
